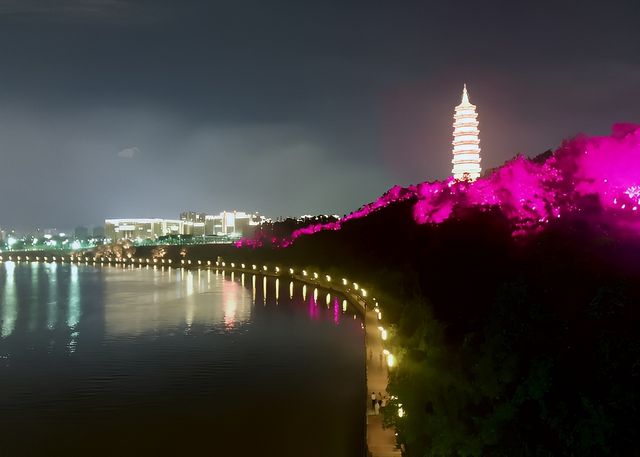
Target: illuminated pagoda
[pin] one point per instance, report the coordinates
(466, 143)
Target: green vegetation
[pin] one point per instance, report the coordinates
(506, 347)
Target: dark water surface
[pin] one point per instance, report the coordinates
(112, 361)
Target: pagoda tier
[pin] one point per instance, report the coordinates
(466, 143)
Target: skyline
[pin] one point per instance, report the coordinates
(149, 110)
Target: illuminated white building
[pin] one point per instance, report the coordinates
(132, 229)
(466, 143)
(232, 223)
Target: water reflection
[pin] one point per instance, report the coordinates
(314, 313)
(229, 303)
(35, 298)
(9, 302)
(143, 300)
(73, 314)
(253, 288)
(136, 348)
(52, 302)
(188, 300)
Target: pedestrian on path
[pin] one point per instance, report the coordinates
(373, 400)
(379, 399)
(376, 408)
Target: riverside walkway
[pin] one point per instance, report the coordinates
(381, 442)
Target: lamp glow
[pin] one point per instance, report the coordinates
(391, 360)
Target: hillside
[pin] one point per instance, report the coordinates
(514, 300)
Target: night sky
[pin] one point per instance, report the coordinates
(126, 108)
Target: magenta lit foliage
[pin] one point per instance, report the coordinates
(604, 169)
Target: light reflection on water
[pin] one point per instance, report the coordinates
(52, 301)
(9, 303)
(178, 298)
(158, 355)
(181, 299)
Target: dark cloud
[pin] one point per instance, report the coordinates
(287, 107)
(69, 9)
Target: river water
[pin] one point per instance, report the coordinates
(118, 362)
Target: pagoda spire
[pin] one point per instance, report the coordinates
(466, 141)
(465, 95)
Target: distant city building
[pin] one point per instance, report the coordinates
(235, 224)
(466, 141)
(50, 232)
(192, 216)
(81, 233)
(230, 224)
(141, 229)
(193, 228)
